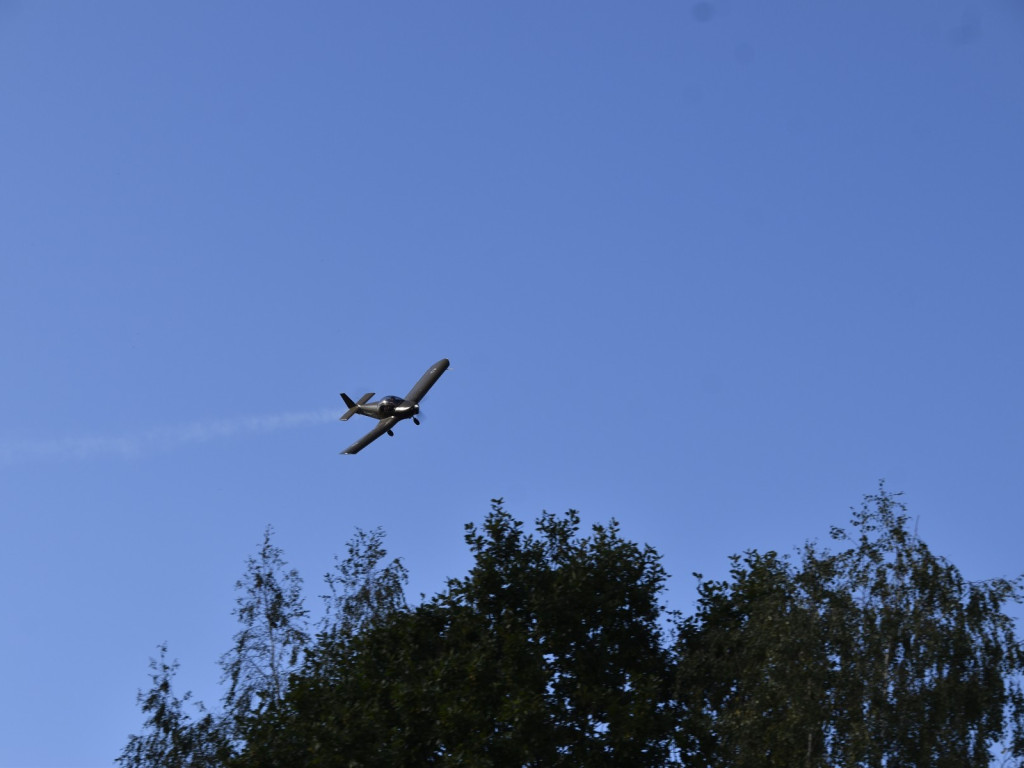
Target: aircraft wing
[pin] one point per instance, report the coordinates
(382, 426)
(421, 387)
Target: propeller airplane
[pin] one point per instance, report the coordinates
(391, 409)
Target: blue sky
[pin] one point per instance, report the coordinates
(711, 268)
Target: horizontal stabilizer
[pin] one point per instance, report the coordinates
(353, 407)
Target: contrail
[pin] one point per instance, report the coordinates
(131, 445)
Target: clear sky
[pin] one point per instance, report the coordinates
(711, 268)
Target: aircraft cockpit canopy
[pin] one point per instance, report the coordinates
(388, 404)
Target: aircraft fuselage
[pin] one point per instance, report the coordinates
(392, 405)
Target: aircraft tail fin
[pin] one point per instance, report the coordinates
(353, 407)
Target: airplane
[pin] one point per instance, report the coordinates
(391, 409)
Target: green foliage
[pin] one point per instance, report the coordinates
(571, 634)
(937, 664)
(749, 685)
(362, 591)
(364, 607)
(171, 738)
(548, 653)
(878, 655)
(552, 651)
(273, 635)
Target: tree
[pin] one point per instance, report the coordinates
(361, 590)
(932, 659)
(171, 738)
(548, 653)
(365, 597)
(749, 694)
(878, 655)
(273, 636)
(573, 629)
(552, 651)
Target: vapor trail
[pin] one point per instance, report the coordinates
(137, 444)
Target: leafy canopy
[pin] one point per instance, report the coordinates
(555, 649)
